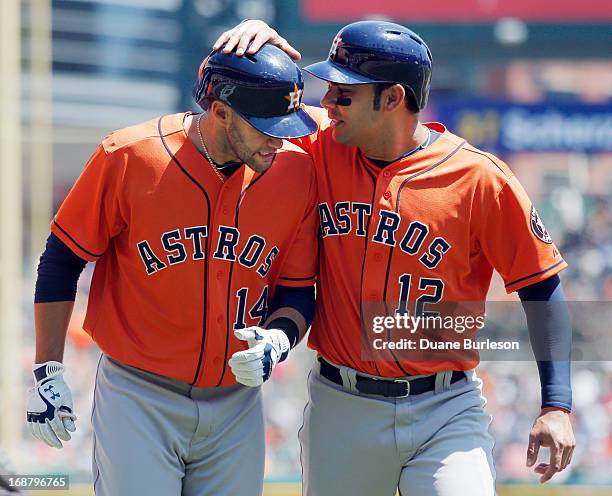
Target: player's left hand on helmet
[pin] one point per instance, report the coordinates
(267, 347)
(50, 414)
(249, 36)
(552, 429)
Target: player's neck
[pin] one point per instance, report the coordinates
(213, 139)
(395, 140)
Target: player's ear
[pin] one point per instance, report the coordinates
(393, 97)
(220, 111)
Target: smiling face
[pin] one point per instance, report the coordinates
(250, 146)
(355, 124)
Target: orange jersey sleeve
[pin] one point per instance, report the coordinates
(514, 239)
(299, 267)
(91, 213)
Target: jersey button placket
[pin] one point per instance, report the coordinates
(225, 198)
(384, 188)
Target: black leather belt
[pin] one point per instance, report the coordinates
(389, 388)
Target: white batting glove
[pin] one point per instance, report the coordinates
(49, 406)
(267, 347)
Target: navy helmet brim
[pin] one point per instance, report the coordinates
(294, 125)
(334, 73)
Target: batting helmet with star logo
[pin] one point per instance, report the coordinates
(265, 89)
(367, 52)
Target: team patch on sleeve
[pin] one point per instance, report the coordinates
(537, 226)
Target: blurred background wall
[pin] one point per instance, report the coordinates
(529, 81)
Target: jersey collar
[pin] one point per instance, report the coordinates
(181, 149)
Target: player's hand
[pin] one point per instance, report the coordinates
(49, 405)
(552, 429)
(267, 347)
(249, 36)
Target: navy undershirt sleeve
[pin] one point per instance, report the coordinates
(550, 332)
(58, 272)
(300, 299)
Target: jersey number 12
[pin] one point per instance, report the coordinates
(435, 291)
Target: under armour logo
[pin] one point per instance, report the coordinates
(227, 91)
(294, 98)
(54, 395)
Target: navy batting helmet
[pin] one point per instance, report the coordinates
(368, 52)
(265, 89)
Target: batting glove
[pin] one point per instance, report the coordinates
(267, 347)
(49, 405)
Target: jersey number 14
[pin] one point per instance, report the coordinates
(258, 311)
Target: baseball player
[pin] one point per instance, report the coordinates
(412, 216)
(204, 232)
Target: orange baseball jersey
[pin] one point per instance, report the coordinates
(183, 257)
(429, 228)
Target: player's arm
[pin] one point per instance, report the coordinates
(51, 321)
(290, 312)
(292, 309)
(81, 231)
(50, 414)
(249, 36)
(58, 274)
(292, 306)
(550, 333)
(516, 243)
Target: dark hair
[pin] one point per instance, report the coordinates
(408, 99)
